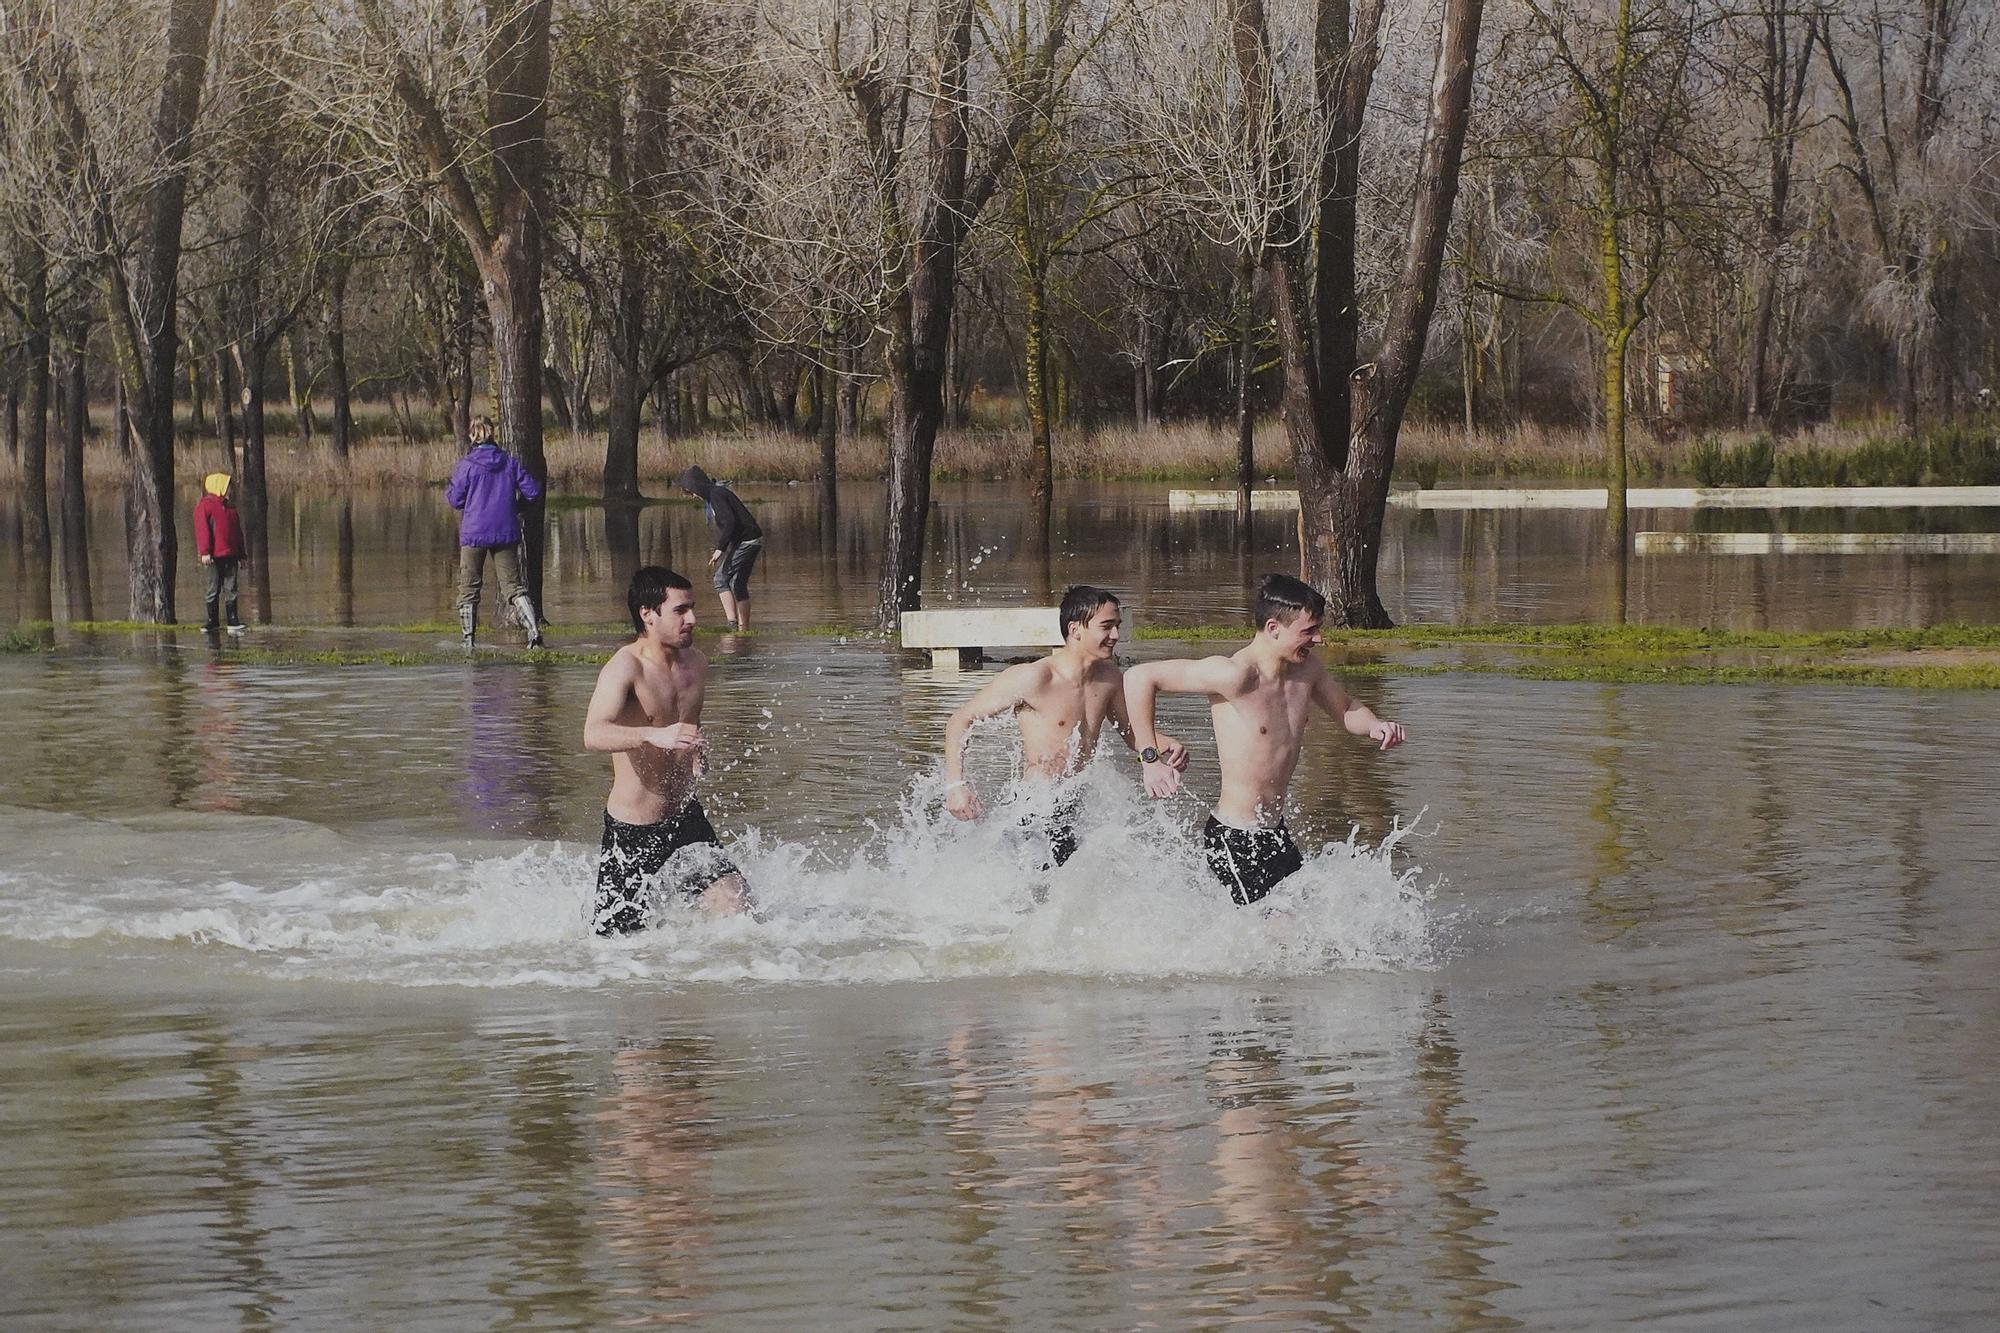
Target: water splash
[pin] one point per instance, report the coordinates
(921, 896)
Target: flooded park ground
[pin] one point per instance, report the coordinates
(1598, 1002)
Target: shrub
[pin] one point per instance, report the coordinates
(1888, 462)
(1812, 467)
(1958, 456)
(1745, 464)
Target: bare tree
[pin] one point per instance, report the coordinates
(471, 84)
(133, 185)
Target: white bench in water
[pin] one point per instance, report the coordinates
(1259, 499)
(957, 639)
(1640, 497)
(1817, 543)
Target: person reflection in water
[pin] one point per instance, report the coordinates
(646, 714)
(1060, 705)
(1260, 698)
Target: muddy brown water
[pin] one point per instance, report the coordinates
(1676, 1008)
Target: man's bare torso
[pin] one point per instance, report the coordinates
(648, 784)
(1259, 731)
(1061, 719)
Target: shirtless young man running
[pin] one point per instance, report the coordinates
(646, 712)
(1260, 698)
(1059, 701)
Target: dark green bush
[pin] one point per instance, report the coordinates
(1745, 464)
(1962, 456)
(1812, 467)
(1888, 462)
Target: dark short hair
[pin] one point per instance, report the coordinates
(1080, 603)
(649, 587)
(1282, 598)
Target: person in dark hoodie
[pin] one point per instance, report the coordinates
(738, 543)
(218, 538)
(487, 488)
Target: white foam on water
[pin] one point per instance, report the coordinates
(922, 897)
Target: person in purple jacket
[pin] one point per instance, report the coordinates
(486, 488)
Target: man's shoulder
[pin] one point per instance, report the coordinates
(1026, 676)
(624, 662)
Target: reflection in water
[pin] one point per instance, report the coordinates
(220, 699)
(1462, 1267)
(343, 564)
(226, 1116)
(1195, 566)
(546, 1111)
(513, 778)
(652, 1150)
(180, 759)
(621, 540)
(1613, 915)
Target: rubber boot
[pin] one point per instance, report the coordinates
(468, 621)
(234, 621)
(524, 607)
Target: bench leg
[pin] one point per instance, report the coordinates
(956, 659)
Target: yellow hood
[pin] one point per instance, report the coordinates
(216, 483)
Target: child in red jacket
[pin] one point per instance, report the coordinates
(218, 536)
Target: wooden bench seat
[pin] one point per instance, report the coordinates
(957, 638)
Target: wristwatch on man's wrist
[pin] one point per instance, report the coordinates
(1149, 755)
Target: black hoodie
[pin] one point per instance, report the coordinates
(732, 521)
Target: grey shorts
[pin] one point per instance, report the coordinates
(732, 572)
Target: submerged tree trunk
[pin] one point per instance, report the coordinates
(252, 496)
(37, 554)
(75, 514)
(226, 405)
(336, 357)
(1246, 366)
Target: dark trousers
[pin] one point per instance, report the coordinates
(221, 586)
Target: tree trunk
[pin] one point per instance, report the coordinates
(252, 496)
(504, 232)
(1035, 349)
(298, 380)
(1246, 367)
(514, 307)
(225, 410)
(829, 438)
(1381, 393)
(75, 514)
(145, 314)
(336, 356)
(37, 556)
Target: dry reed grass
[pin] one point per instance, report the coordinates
(1429, 452)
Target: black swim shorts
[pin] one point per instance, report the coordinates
(1249, 861)
(634, 853)
(1058, 826)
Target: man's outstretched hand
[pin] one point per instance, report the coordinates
(1388, 735)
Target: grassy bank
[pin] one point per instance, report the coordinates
(1941, 657)
(1429, 454)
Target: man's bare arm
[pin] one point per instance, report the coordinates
(1357, 718)
(1170, 749)
(1143, 684)
(1003, 694)
(603, 732)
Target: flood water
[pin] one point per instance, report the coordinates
(377, 557)
(1594, 1005)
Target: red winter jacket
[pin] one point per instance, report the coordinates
(218, 531)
